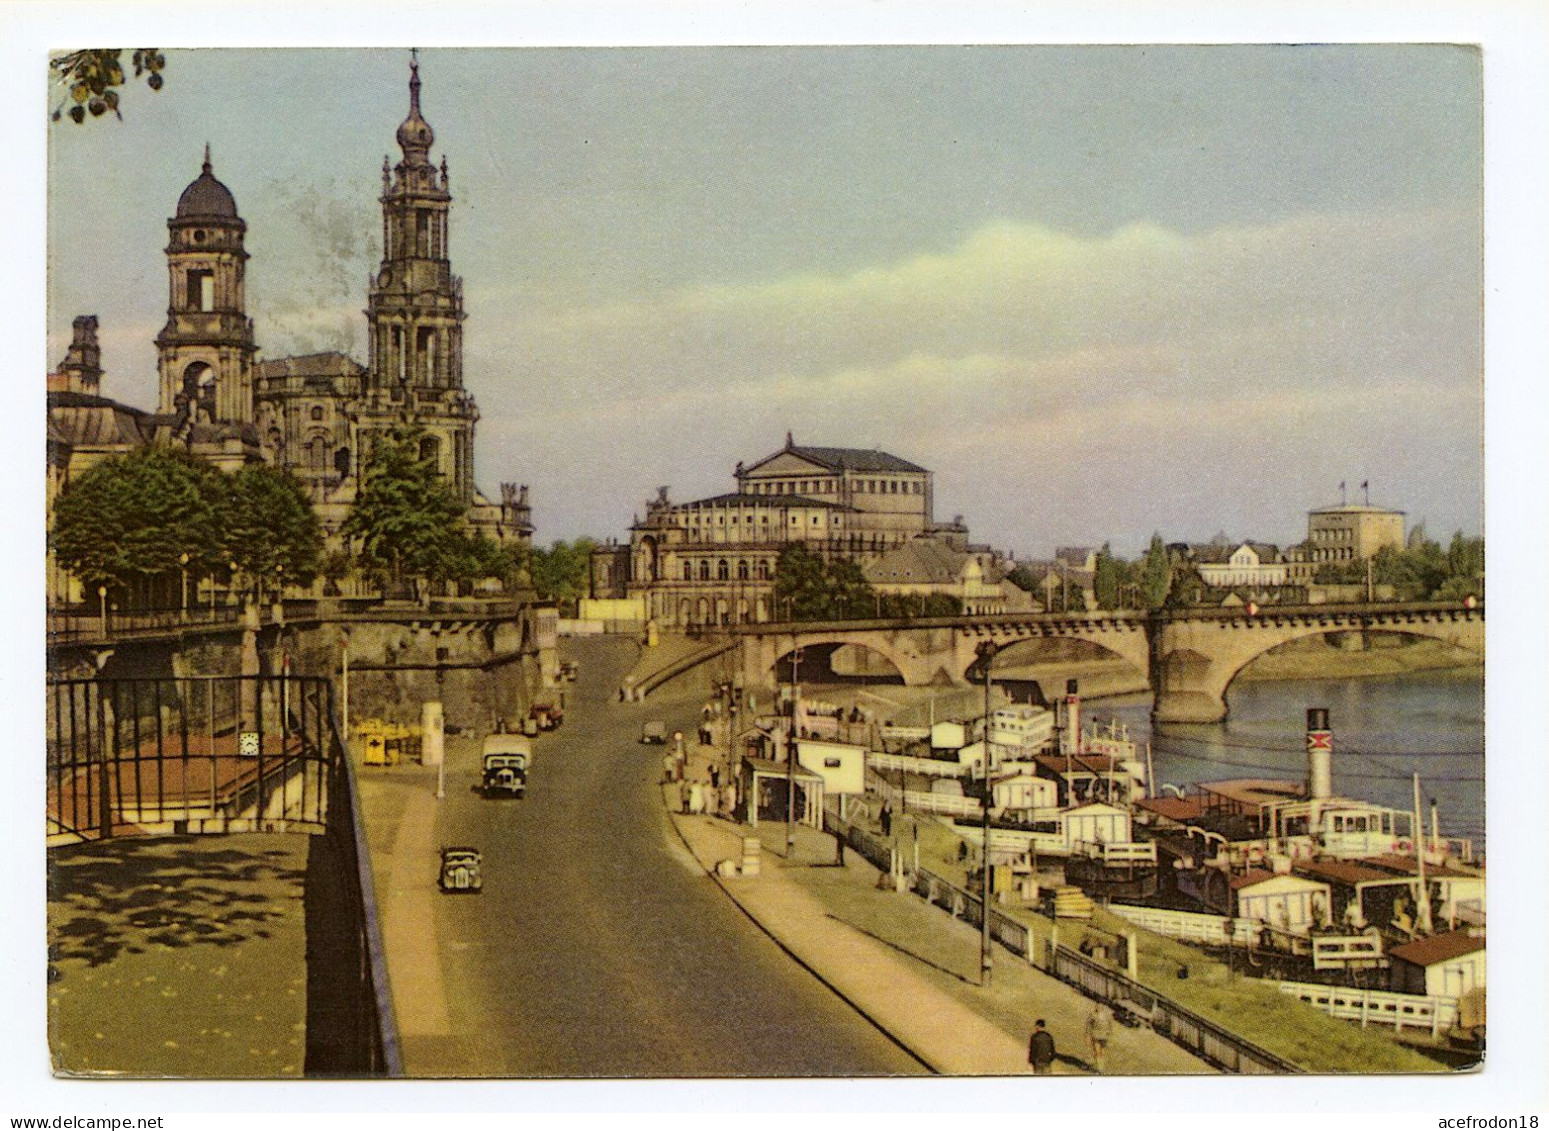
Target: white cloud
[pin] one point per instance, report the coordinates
(1242, 347)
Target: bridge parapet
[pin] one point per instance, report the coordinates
(1190, 655)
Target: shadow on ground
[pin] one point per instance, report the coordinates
(124, 896)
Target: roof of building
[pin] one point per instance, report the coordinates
(738, 498)
(1256, 791)
(1438, 948)
(842, 459)
(330, 363)
(1341, 871)
(1353, 508)
(206, 198)
(1406, 866)
(1174, 808)
(919, 561)
(83, 419)
(1250, 877)
(1082, 763)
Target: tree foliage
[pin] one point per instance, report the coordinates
(130, 518)
(562, 573)
(90, 79)
(271, 531)
(1156, 571)
(407, 520)
(808, 588)
(1110, 576)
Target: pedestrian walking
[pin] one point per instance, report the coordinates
(683, 795)
(1040, 1049)
(1099, 1031)
(696, 798)
(712, 799)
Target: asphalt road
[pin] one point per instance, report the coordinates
(598, 947)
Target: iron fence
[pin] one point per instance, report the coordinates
(1182, 1026)
(191, 755)
(77, 625)
(226, 754)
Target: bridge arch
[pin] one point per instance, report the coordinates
(840, 661)
(1198, 660)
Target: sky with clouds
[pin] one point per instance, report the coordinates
(1100, 291)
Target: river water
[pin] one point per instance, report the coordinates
(1386, 728)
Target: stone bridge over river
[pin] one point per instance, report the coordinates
(1190, 656)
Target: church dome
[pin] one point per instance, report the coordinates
(415, 133)
(415, 137)
(206, 198)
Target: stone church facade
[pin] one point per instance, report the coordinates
(317, 415)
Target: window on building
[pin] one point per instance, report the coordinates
(742, 571)
(201, 290)
(688, 571)
(317, 412)
(722, 570)
(704, 570)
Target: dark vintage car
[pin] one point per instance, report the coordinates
(505, 768)
(462, 870)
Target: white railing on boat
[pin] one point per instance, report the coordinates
(1117, 852)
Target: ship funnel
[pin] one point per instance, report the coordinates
(1320, 754)
(1070, 734)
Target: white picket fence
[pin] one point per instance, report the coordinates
(1192, 926)
(1378, 1007)
(933, 767)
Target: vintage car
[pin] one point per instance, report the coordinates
(546, 714)
(569, 671)
(654, 733)
(462, 870)
(506, 758)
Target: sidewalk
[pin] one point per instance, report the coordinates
(908, 967)
(178, 957)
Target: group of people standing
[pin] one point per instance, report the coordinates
(698, 796)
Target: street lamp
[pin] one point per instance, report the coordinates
(102, 603)
(182, 561)
(790, 753)
(986, 656)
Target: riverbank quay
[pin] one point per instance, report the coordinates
(178, 957)
(909, 968)
(1251, 1008)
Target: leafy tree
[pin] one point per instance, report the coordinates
(1465, 558)
(849, 593)
(407, 519)
(800, 589)
(1108, 579)
(808, 588)
(1185, 586)
(271, 531)
(1156, 571)
(90, 79)
(1022, 577)
(562, 573)
(128, 519)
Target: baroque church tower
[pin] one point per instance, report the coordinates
(415, 309)
(205, 351)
